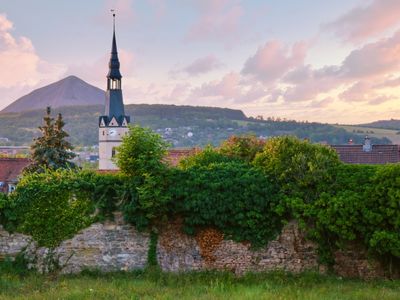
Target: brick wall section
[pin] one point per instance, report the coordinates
(115, 246)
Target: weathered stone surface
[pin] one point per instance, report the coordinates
(354, 262)
(12, 244)
(114, 246)
(177, 251)
(290, 252)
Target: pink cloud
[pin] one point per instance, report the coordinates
(367, 21)
(21, 67)
(226, 88)
(219, 21)
(203, 65)
(374, 59)
(273, 60)
(362, 69)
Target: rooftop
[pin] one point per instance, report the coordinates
(378, 154)
(11, 168)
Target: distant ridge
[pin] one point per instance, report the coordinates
(386, 124)
(70, 91)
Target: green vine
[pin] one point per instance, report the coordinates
(152, 251)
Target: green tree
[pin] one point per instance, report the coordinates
(51, 150)
(141, 152)
(302, 169)
(244, 147)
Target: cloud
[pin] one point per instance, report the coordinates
(202, 65)
(219, 20)
(366, 21)
(374, 59)
(273, 60)
(358, 74)
(21, 67)
(225, 89)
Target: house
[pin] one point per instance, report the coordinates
(10, 170)
(368, 153)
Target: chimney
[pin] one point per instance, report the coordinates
(367, 147)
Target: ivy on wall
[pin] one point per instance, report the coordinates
(246, 194)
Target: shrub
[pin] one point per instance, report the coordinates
(105, 191)
(302, 170)
(205, 157)
(232, 197)
(146, 201)
(52, 206)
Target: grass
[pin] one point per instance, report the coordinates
(391, 134)
(202, 285)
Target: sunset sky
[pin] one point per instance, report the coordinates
(325, 61)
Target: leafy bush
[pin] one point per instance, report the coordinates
(301, 169)
(105, 192)
(146, 201)
(54, 205)
(205, 157)
(141, 152)
(232, 197)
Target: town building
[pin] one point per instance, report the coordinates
(113, 125)
(368, 153)
(10, 171)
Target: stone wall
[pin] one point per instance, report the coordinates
(114, 246)
(109, 246)
(289, 252)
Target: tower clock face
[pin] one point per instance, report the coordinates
(112, 132)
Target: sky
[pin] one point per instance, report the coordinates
(325, 61)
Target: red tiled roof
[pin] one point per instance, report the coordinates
(379, 154)
(174, 156)
(11, 168)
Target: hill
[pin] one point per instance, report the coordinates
(182, 126)
(70, 91)
(385, 124)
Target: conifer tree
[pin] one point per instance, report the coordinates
(51, 150)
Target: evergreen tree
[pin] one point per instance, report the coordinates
(51, 150)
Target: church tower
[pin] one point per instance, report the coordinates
(113, 125)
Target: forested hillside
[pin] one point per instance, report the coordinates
(182, 126)
(386, 124)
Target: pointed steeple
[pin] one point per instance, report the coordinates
(114, 105)
(113, 65)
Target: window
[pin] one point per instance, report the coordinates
(11, 188)
(113, 152)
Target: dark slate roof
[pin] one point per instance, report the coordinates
(114, 105)
(114, 64)
(11, 168)
(380, 154)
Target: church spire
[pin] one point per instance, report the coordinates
(114, 101)
(113, 65)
